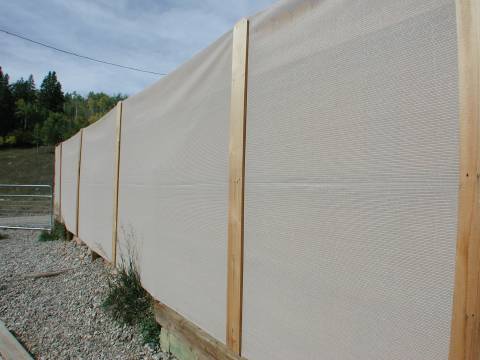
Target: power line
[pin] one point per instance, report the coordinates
(79, 55)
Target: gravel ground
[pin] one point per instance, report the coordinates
(61, 317)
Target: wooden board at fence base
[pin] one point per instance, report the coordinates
(201, 345)
(465, 327)
(118, 135)
(10, 348)
(238, 111)
(78, 184)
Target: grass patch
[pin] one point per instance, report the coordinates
(129, 303)
(3, 236)
(57, 233)
(27, 165)
(46, 235)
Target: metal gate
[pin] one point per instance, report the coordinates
(26, 207)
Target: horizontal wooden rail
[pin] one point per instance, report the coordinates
(201, 344)
(10, 348)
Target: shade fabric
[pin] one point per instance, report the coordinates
(97, 172)
(173, 186)
(351, 182)
(70, 161)
(352, 159)
(56, 182)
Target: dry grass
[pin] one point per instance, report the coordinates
(129, 303)
(27, 166)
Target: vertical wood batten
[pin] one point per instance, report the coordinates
(60, 217)
(465, 327)
(78, 184)
(56, 182)
(238, 110)
(118, 136)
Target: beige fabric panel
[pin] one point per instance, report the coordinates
(70, 159)
(56, 183)
(173, 186)
(351, 180)
(96, 185)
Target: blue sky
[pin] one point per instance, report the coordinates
(154, 35)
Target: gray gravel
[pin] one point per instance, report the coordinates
(61, 317)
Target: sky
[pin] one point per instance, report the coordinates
(156, 35)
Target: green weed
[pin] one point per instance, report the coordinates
(57, 233)
(129, 303)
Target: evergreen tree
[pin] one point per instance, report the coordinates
(26, 109)
(24, 89)
(46, 116)
(7, 105)
(51, 95)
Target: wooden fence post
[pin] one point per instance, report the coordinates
(118, 136)
(465, 327)
(78, 183)
(238, 111)
(60, 186)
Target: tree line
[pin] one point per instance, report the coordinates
(46, 116)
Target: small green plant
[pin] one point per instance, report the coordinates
(45, 235)
(129, 303)
(150, 330)
(57, 233)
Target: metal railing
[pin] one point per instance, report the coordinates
(26, 207)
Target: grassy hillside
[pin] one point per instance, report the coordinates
(27, 166)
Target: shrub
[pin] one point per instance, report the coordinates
(19, 137)
(45, 235)
(57, 233)
(10, 140)
(129, 303)
(3, 236)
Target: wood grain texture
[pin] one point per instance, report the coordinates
(202, 345)
(118, 136)
(10, 348)
(56, 212)
(238, 110)
(60, 187)
(465, 327)
(78, 183)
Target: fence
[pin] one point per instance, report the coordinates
(26, 206)
(304, 187)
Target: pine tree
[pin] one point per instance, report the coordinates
(31, 83)
(51, 95)
(7, 105)
(24, 89)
